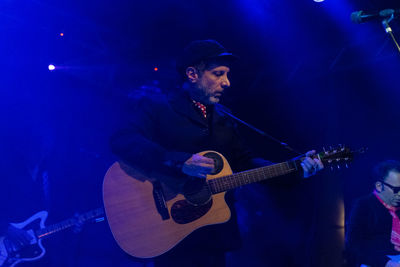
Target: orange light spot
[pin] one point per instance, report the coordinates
(155, 69)
(62, 34)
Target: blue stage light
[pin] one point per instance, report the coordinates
(51, 67)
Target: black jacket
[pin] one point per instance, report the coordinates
(166, 130)
(369, 232)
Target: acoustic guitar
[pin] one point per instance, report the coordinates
(147, 218)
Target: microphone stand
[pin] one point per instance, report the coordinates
(389, 31)
(286, 146)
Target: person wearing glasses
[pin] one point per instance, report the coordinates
(373, 231)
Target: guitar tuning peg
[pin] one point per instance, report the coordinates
(338, 166)
(347, 166)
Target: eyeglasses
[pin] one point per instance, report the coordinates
(395, 189)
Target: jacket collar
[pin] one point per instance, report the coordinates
(182, 104)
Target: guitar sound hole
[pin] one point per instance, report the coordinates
(196, 191)
(183, 212)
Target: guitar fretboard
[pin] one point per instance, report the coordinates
(41, 233)
(232, 181)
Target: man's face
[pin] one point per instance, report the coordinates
(210, 84)
(387, 194)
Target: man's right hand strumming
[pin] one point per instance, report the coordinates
(198, 166)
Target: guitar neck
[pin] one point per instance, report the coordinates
(233, 181)
(52, 229)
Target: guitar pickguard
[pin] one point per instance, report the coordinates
(183, 212)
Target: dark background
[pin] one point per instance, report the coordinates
(306, 75)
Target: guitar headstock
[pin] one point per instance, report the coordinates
(338, 156)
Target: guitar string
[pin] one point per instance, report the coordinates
(225, 183)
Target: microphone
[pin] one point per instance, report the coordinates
(361, 16)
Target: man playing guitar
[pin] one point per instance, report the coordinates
(167, 132)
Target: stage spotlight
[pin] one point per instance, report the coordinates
(319, 1)
(51, 67)
(62, 34)
(155, 69)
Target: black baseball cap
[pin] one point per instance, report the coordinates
(202, 50)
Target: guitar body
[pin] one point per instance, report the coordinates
(134, 217)
(11, 255)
